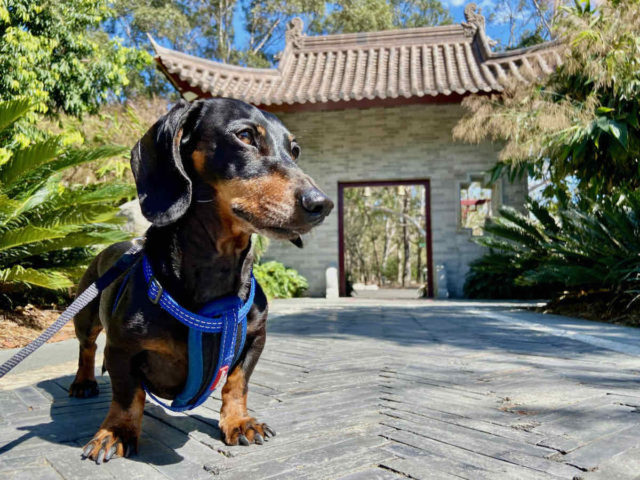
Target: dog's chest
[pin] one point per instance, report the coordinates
(165, 365)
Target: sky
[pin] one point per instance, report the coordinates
(495, 30)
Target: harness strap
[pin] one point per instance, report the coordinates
(123, 264)
(158, 296)
(222, 316)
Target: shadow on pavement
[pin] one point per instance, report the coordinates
(74, 421)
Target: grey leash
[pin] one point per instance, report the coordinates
(124, 263)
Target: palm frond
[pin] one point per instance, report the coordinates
(86, 239)
(7, 207)
(49, 231)
(31, 234)
(12, 110)
(34, 179)
(106, 193)
(509, 231)
(521, 221)
(28, 159)
(79, 156)
(543, 216)
(51, 279)
(586, 246)
(41, 196)
(74, 215)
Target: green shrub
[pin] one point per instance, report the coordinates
(495, 275)
(587, 246)
(49, 230)
(278, 281)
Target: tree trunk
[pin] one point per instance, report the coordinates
(398, 256)
(406, 264)
(388, 234)
(419, 266)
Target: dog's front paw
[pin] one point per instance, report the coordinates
(105, 444)
(245, 431)
(84, 389)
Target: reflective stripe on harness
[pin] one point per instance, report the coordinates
(223, 317)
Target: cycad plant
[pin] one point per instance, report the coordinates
(49, 230)
(584, 248)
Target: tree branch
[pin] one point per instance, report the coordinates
(399, 214)
(541, 14)
(266, 36)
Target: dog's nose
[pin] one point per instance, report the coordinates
(316, 204)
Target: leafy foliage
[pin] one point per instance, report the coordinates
(208, 29)
(582, 121)
(54, 54)
(528, 22)
(48, 230)
(348, 16)
(115, 124)
(585, 247)
(278, 281)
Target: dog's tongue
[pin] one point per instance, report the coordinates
(297, 241)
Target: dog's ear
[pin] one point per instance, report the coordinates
(164, 188)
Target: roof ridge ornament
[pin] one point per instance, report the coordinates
(473, 16)
(475, 22)
(294, 34)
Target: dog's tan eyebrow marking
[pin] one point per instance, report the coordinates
(292, 138)
(261, 130)
(199, 160)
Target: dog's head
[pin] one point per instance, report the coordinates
(243, 158)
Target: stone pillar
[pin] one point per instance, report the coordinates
(441, 282)
(331, 276)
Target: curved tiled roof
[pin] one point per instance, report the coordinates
(414, 62)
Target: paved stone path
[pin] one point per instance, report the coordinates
(372, 390)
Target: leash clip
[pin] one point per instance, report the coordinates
(155, 298)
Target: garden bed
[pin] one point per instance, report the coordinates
(599, 307)
(22, 325)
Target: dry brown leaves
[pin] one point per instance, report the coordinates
(21, 326)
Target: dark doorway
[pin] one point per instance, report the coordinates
(386, 208)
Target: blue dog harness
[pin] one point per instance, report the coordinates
(218, 321)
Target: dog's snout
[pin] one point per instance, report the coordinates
(315, 203)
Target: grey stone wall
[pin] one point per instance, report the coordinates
(399, 143)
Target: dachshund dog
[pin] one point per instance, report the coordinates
(208, 174)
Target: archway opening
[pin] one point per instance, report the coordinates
(385, 239)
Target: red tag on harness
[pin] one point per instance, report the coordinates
(222, 375)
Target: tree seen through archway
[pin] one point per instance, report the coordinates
(385, 236)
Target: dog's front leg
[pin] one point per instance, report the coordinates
(238, 427)
(120, 430)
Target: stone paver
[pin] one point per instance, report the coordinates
(366, 389)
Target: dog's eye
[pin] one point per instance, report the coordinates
(295, 151)
(245, 136)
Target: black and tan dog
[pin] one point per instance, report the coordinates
(209, 174)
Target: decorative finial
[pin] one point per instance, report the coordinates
(475, 24)
(294, 33)
(475, 20)
(473, 15)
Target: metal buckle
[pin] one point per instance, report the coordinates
(156, 298)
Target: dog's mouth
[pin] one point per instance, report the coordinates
(292, 236)
(279, 232)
